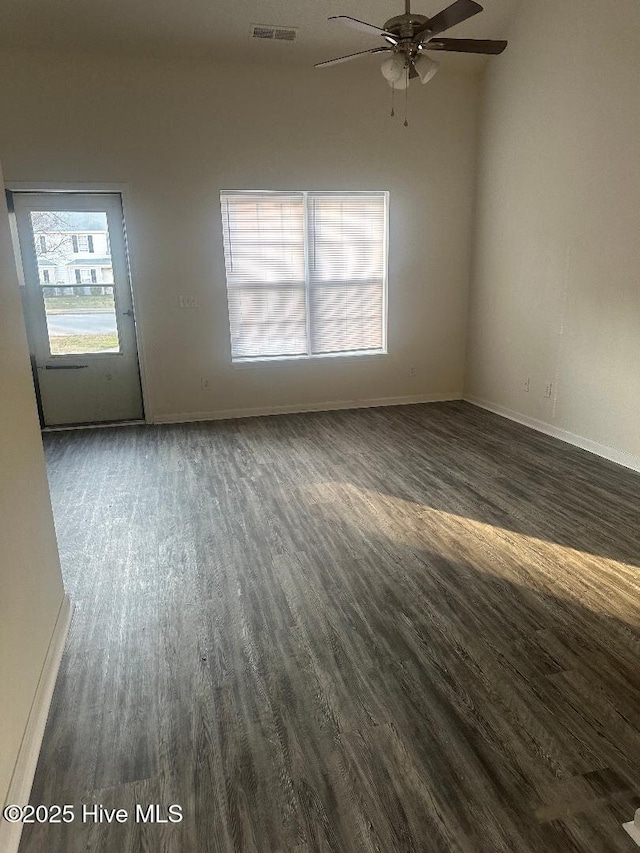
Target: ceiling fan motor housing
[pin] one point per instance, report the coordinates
(405, 26)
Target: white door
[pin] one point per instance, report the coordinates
(78, 306)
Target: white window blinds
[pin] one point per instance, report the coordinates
(306, 272)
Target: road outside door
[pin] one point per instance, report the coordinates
(78, 306)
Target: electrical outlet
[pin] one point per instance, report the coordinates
(527, 384)
(548, 389)
(206, 385)
(412, 372)
(187, 301)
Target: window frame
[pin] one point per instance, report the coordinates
(244, 362)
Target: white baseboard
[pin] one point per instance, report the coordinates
(299, 408)
(627, 460)
(25, 768)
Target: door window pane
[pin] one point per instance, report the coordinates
(79, 299)
(81, 320)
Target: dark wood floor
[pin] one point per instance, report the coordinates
(404, 629)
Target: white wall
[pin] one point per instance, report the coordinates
(31, 591)
(178, 132)
(556, 294)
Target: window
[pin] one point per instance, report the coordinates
(84, 276)
(46, 278)
(306, 273)
(43, 244)
(82, 243)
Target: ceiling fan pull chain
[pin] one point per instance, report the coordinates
(393, 91)
(406, 100)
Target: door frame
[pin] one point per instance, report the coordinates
(123, 190)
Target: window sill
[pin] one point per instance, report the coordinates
(293, 360)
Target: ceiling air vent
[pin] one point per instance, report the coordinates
(286, 34)
(263, 31)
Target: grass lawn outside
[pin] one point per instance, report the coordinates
(81, 344)
(66, 304)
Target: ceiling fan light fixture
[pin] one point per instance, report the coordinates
(402, 83)
(426, 67)
(393, 69)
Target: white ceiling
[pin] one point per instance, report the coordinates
(220, 28)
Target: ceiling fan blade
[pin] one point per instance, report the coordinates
(351, 56)
(487, 46)
(449, 17)
(363, 27)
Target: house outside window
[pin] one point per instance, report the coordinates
(73, 248)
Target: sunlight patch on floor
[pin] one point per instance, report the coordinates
(602, 584)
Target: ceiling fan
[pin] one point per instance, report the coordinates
(409, 35)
